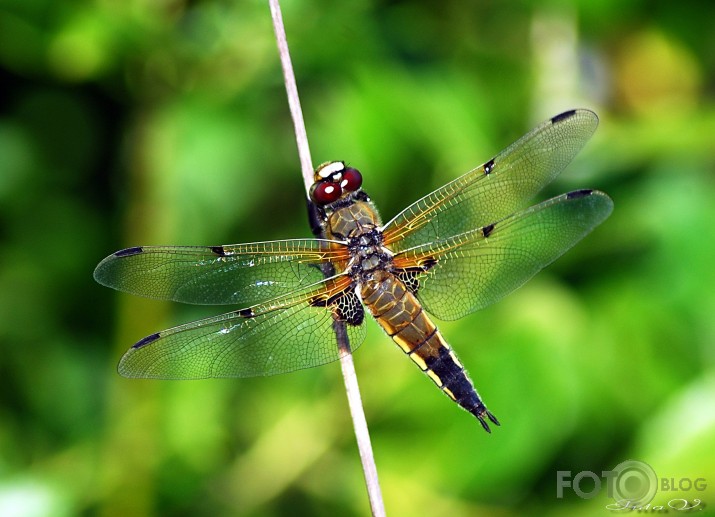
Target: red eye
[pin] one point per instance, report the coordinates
(352, 179)
(325, 192)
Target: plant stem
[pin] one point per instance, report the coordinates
(352, 389)
(296, 113)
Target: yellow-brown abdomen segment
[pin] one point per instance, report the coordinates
(400, 314)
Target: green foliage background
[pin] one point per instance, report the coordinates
(165, 122)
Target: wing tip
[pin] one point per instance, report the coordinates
(128, 252)
(598, 196)
(146, 340)
(563, 116)
(557, 119)
(576, 194)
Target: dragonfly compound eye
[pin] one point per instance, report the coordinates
(325, 192)
(352, 179)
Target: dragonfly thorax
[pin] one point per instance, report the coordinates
(368, 253)
(352, 218)
(355, 220)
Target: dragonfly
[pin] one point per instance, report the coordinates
(458, 249)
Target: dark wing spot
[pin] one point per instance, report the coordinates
(319, 301)
(487, 230)
(349, 308)
(128, 252)
(410, 276)
(145, 341)
(562, 116)
(489, 166)
(428, 263)
(579, 193)
(245, 313)
(218, 250)
(346, 305)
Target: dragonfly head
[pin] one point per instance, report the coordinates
(333, 180)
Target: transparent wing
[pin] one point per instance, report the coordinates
(497, 188)
(240, 274)
(288, 334)
(469, 271)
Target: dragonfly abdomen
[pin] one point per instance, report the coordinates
(401, 316)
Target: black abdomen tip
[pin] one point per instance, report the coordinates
(480, 413)
(492, 417)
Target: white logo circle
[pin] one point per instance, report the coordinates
(635, 482)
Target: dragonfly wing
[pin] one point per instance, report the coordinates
(291, 333)
(467, 272)
(497, 188)
(241, 274)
